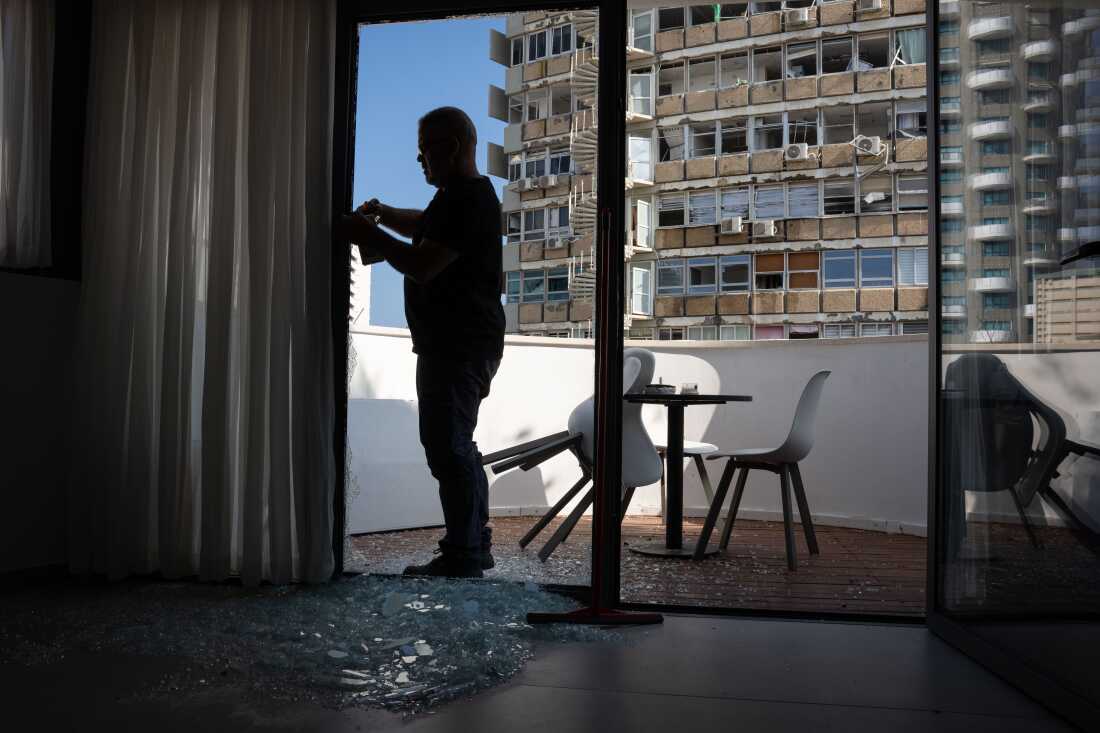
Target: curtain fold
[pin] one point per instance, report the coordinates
(26, 102)
(205, 368)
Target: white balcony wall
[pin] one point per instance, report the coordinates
(867, 470)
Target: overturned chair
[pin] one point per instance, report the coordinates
(641, 464)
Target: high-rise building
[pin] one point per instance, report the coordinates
(777, 181)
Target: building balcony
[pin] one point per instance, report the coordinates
(951, 208)
(981, 29)
(1080, 25)
(950, 109)
(992, 284)
(953, 312)
(950, 160)
(1040, 259)
(990, 79)
(982, 232)
(990, 181)
(1039, 50)
(1045, 155)
(984, 336)
(953, 259)
(1039, 207)
(992, 130)
(1039, 102)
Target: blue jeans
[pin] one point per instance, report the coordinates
(450, 393)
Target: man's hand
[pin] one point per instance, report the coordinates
(359, 230)
(373, 208)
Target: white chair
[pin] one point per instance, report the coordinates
(641, 464)
(783, 461)
(695, 451)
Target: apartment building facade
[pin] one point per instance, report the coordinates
(777, 176)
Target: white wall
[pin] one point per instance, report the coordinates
(868, 469)
(37, 329)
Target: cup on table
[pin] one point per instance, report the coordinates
(689, 388)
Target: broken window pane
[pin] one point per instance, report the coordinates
(801, 60)
(670, 210)
(670, 141)
(836, 55)
(873, 120)
(839, 197)
(802, 127)
(701, 75)
(515, 109)
(768, 132)
(734, 69)
(702, 275)
(561, 100)
(670, 79)
(874, 51)
(734, 136)
(734, 271)
(876, 194)
(912, 192)
(912, 118)
(732, 10)
(766, 64)
(701, 14)
(766, 6)
(839, 124)
(702, 140)
(670, 18)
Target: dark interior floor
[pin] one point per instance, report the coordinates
(691, 673)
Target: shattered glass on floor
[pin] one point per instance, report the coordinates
(400, 643)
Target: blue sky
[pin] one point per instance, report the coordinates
(406, 69)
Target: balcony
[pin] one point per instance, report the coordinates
(1039, 207)
(1080, 25)
(953, 259)
(990, 79)
(985, 336)
(1037, 155)
(950, 109)
(1000, 284)
(950, 159)
(951, 208)
(982, 232)
(953, 312)
(1040, 258)
(992, 130)
(981, 29)
(1039, 102)
(990, 181)
(1039, 50)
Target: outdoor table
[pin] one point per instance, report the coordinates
(673, 545)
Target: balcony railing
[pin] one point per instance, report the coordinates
(1039, 50)
(991, 181)
(986, 28)
(990, 336)
(998, 284)
(954, 311)
(990, 79)
(992, 130)
(983, 232)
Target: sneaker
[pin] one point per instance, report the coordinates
(446, 565)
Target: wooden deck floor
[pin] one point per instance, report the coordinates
(857, 571)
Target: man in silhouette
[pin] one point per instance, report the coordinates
(453, 275)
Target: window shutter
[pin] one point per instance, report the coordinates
(496, 162)
(498, 103)
(499, 50)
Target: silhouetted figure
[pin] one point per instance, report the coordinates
(453, 275)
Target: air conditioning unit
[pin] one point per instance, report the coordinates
(763, 228)
(796, 151)
(548, 181)
(528, 184)
(553, 243)
(868, 6)
(797, 16)
(731, 225)
(868, 145)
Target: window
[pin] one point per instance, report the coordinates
(874, 119)
(803, 269)
(993, 96)
(839, 268)
(557, 284)
(642, 30)
(910, 45)
(876, 194)
(767, 132)
(702, 75)
(801, 60)
(802, 126)
(535, 165)
(533, 224)
(836, 55)
(911, 118)
(769, 333)
(641, 300)
(839, 124)
(874, 51)
(949, 26)
(994, 220)
(538, 104)
(839, 197)
(838, 330)
(996, 300)
(1037, 122)
(733, 69)
(769, 203)
(1039, 147)
(534, 283)
(949, 126)
(515, 167)
(517, 51)
(735, 202)
(996, 326)
(804, 200)
(949, 78)
(536, 46)
(700, 14)
(559, 221)
(732, 10)
(512, 280)
(912, 193)
(561, 39)
(876, 329)
(876, 268)
(766, 64)
(996, 198)
(913, 266)
(996, 147)
(670, 143)
(734, 136)
(670, 19)
(952, 276)
(640, 157)
(641, 91)
(702, 275)
(995, 272)
(991, 46)
(514, 226)
(735, 272)
(769, 272)
(670, 79)
(949, 55)
(702, 140)
(560, 162)
(643, 223)
(561, 100)
(951, 225)
(515, 109)
(670, 210)
(670, 277)
(951, 175)
(735, 332)
(670, 333)
(701, 209)
(803, 331)
(702, 333)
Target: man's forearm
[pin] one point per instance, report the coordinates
(399, 254)
(402, 221)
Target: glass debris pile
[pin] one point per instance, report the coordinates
(395, 642)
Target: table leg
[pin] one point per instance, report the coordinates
(674, 522)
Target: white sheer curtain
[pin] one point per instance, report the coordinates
(205, 439)
(26, 86)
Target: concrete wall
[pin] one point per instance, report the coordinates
(868, 469)
(37, 329)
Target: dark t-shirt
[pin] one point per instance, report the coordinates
(458, 313)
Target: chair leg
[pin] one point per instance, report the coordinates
(663, 465)
(715, 508)
(788, 526)
(553, 512)
(567, 526)
(735, 504)
(1023, 518)
(804, 509)
(704, 477)
(627, 496)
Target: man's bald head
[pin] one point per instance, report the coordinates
(451, 121)
(447, 141)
